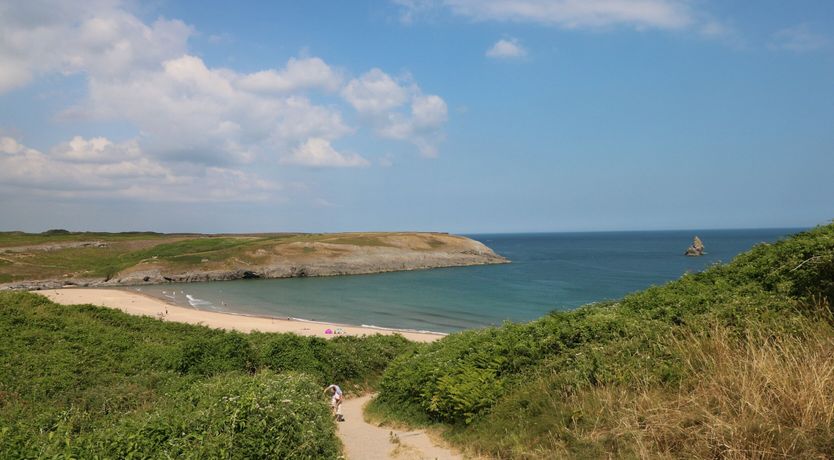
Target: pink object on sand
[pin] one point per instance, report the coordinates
(328, 331)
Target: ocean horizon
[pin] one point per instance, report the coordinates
(548, 272)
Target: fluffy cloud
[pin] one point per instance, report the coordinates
(93, 36)
(182, 109)
(319, 153)
(375, 92)
(662, 14)
(190, 112)
(398, 109)
(299, 74)
(98, 168)
(506, 49)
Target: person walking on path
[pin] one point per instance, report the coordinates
(336, 401)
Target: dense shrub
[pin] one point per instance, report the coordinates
(360, 361)
(230, 416)
(90, 378)
(291, 352)
(462, 375)
(215, 353)
(353, 362)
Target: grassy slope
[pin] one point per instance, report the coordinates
(20, 259)
(615, 379)
(93, 381)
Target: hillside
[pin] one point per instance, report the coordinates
(734, 362)
(57, 258)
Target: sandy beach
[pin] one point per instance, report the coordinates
(136, 303)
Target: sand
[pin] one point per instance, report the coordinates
(139, 304)
(364, 441)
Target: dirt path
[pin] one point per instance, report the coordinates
(364, 441)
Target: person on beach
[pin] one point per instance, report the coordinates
(336, 401)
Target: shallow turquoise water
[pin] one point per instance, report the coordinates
(553, 271)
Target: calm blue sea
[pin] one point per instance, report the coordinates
(552, 271)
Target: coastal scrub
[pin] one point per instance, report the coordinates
(86, 381)
(533, 390)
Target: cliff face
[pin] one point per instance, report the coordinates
(179, 258)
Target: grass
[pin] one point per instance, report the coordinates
(371, 241)
(757, 396)
(13, 239)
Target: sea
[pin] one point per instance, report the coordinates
(549, 271)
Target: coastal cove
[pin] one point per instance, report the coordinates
(549, 271)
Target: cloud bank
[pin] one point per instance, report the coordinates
(189, 115)
(99, 168)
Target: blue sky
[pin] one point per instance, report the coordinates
(447, 115)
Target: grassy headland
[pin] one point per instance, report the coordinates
(58, 257)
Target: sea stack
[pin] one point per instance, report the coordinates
(696, 249)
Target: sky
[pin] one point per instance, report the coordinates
(466, 116)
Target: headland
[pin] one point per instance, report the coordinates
(59, 258)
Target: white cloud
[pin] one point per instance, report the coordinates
(399, 110)
(800, 39)
(100, 168)
(662, 14)
(299, 74)
(506, 49)
(98, 149)
(375, 92)
(317, 152)
(95, 36)
(428, 111)
(200, 114)
(186, 111)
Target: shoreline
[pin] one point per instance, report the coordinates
(141, 304)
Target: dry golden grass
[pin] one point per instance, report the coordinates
(758, 397)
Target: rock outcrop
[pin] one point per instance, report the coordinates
(695, 249)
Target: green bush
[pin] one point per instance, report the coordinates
(214, 353)
(354, 362)
(291, 352)
(462, 375)
(237, 416)
(360, 361)
(81, 379)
